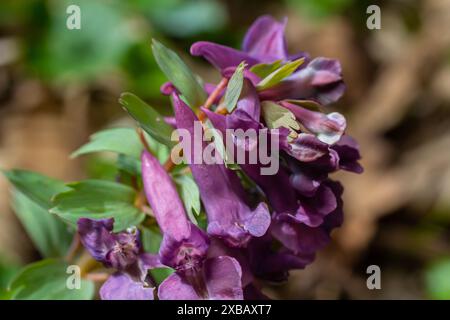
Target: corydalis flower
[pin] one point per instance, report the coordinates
(123, 252)
(319, 79)
(229, 217)
(185, 246)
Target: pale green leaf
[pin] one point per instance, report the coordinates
(262, 70)
(190, 195)
(234, 87)
(278, 75)
(276, 116)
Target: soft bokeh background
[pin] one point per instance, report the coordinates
(59, 86)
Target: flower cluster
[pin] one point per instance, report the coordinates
(261, 231)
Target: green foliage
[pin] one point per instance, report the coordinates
(37, 187)
(81, 55)
(437, 280)
(151, 239)
(121, 140)
(160, 274)
(276, 116)
(190, 195)
(7, 271)
(320, 8)
(186, 18)
(148, 118)
(220, 146)
(279, 74)
(97, 199)
(50, 235)
(234, 87)
(31, 202)
(262, 70)
(47, 280)
(179, 74)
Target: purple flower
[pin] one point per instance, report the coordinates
(328, 127)
(184, 246)
(348, 151)
(319, 79)
(302, 239)
(218, 279)
(229, 217)
(263, 43)
(121, 251)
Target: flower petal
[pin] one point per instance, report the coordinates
(221, 56)
(265, 39)
(320, 80)
(175, 287)
(120, 286)
(164, 199)
(328, 127)
(307, 148)
(348, 151)
(229, 217)
(223, 278)
(96, 236)
(116, 250)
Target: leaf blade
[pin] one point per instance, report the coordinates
(278, 75)
(47, 280)
(98, 199)
(179, 74)
(147, 117)
(234, 87)
(120, 140)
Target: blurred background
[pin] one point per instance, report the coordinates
(58, 86)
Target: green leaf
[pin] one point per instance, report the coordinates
(37, 187)
(31, 202)
(262, 70)
(50, 235)
(190, 194)
(98, 199)
(129, 165)
(179, 74)
(307, 104)
(151, 239)
(148, 118)
(47, 280)
(276, 116)
(437, 280)
(120, 140)
(278, 75)
(234, 87)
(160, 274)
(220, 146)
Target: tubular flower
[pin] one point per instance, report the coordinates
(319, 79)
(229, 217)
(258, 226)
(185, 246)
(123, 252)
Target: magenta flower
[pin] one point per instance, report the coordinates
(319, 79)
(229, 216)
(123, 252)
(185, 246)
